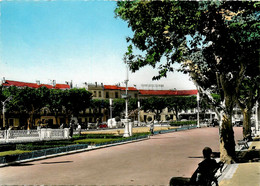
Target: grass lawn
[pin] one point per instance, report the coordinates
(95, 141)
(12, 152)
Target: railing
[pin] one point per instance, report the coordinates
(16, 136)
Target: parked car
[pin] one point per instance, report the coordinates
(102, 125)
(214, 122)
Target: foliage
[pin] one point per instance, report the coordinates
(29, 101)
(13, 152)
(213, 41)
(155, 105)
(178, 103)
(118, 107)
(179, 123)
(96, 141)
(76, 100)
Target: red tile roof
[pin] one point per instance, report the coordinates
(34, 85)
(115, 87)
(168, 92)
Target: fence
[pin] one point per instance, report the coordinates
(16, 136)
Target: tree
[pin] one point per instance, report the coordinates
(26, 101)
(155, 105)
(179, 103)
(200, 36)
(118, 107)
(76, 100)
(55, 102)
(98, 104)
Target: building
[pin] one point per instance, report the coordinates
(102, 92)
(45, 117)
(165, 114)
(54, 85)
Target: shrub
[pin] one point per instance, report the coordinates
(178, 123)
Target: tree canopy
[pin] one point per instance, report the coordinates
(216, 42)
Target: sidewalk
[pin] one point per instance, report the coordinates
(243, 174)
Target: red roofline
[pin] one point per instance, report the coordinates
(168, 92)
(115, 87)
(9, 83)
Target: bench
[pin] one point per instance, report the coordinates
(243, 144)
(217, 173)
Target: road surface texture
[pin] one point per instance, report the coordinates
(149, 162)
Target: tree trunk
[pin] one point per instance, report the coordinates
(227, 142)
(247, 124)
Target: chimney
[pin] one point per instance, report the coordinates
(96, 84)
(53, 83)
(3, 81)
(71, 85)
(38, 82)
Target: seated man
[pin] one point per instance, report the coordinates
(204, 174)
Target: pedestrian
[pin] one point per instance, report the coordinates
(204, 174)
(79, 129)
(152, 128)
(71, 128)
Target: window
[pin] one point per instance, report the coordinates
(99, 93)
(116, 96)
(107, 94)
(135, 95)
(95, 94)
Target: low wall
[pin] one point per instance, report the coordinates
(16, 136)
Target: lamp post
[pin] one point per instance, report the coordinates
(3, 103)
(126, 132)
(138, 104)
(198, 109)
(256, 118)
(110, 106)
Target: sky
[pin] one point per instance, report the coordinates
(71, 40)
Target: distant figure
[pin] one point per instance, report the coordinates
(204, 174)
(79, 128)
(98, 123)
(71, 128)
(152, 128)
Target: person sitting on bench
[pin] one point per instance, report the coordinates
(204, 174)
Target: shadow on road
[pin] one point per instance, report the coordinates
(22, 164)
(214, 155)
(57, 162)
(155, 137)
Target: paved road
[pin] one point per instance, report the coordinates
(149, 162)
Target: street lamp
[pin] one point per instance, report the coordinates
(198, 109)
(138, 105)
(126, 133)
(256, 118)
(3, 103)
(110, 103)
